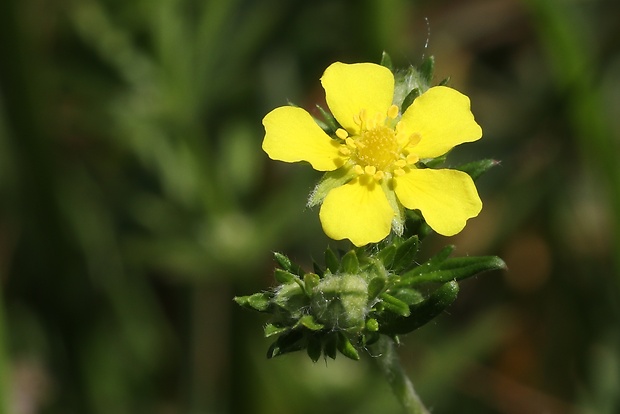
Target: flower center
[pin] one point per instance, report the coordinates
(377, 147)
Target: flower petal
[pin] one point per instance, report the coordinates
(358, 211)
(292, 135)
(446, 198)
(351, 88)
(443, 119)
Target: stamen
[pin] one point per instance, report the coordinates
(414, 139)
(399, 172)
(358, 169)
(342, 134)
(412, 159)
(343, 150)
(401, 163)
(350, 143)
(379, 175)
(392, 112)
(370, 169)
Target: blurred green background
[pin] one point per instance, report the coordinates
(135, 202)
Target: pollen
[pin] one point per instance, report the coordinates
(377, 147)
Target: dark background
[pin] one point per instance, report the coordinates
(135, 202)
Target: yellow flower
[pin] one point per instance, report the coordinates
(374, 154)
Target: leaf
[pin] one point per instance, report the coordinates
(288, 342)
(386, 61)
(282, 276)
(329, 181)
(329, 120)
(308, 322)
(423, 312)
(286, 264)
(375, 287)
(346, 348)
(457, 268)
(415, 92)
(394, 305)
(314, 349)
(331, 261)
(311, 281)
(349, 263)
(258, 301)
(405, 254)
(477, 168)
(386, 255)
(273, 329)
(426, 69)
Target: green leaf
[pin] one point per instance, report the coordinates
(423, 312)
(386, 61)
(331, 261)
(394, 305)
(426, 69)
(415, 92)
(311, 281)
(329, 120)
(286, 264)
(329, 181)
(386, 255)
(282, 276)
(457, 268)
(330, 345)
(445, 81)
(375, 287)
(273, 329)
(349, 263)
(407, 295)
(257, 301)
(477, 168)
(405, 254)
(309, 322)
(346, 348)
(288, 342)
(314, 349)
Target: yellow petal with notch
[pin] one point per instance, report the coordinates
(292, 135)
(446, 198)
(358, 211)
(349, 88)
(443, 119)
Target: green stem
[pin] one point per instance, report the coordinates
(391, 368)
(4, 361)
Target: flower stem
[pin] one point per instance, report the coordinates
(391, 368)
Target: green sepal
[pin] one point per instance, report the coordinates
(386, 61)
(309, 322)
(372, 325)
(311, 281)
(375, 287)
(394, 305)
(258, 301)
(407, 295)
(457, 268)
(433, 162)
(286, 264)
(331, 261)
(315, 349)
(328, 120)
(290, 341)
(387, 254)
(477, 168)
(444, 82)
(346, 348)
(411, 96)
(329, 181)
(272, 329)
(330, 345)
(349, 263)
(283, 276)
(405, 254)
(426, 70)
(423, 312)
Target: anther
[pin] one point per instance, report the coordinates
(414, 139)
(392, 112)
(412, 159)
(370, 169)
(358, 169)
(401, 163)
(399, 172)
(343, 150)
(342, 134)
(379, 175)
(350, 142)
